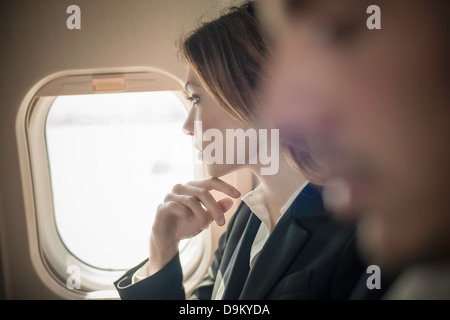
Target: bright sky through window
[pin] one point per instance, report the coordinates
(113, 158)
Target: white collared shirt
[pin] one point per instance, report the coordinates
(256, 201)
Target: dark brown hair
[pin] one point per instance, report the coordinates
(228, 55)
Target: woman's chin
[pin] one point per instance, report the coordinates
(219, 170)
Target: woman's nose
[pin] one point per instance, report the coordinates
(188, 126)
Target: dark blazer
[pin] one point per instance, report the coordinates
(307, 256)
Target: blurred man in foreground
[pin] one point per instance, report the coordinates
(375, 103)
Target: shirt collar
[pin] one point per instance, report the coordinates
(256, 201)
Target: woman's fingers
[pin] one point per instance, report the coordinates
(205, 197)
(192, 204)
(225, 204)
(216, 184)
(177, 210)
(201, 190)
(197, 193)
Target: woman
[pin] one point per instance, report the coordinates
(280, 244)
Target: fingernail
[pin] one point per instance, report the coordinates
(222, 221)
(236, 193)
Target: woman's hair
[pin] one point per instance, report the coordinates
(228, 55)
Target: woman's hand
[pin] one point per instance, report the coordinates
(185, 212)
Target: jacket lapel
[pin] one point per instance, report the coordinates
(239, 264)
(287, 239)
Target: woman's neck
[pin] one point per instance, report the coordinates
(278, 188)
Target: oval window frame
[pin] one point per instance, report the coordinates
(49, 255)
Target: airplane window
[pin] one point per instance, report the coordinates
(113, 158)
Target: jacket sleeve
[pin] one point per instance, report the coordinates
(166, 284)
